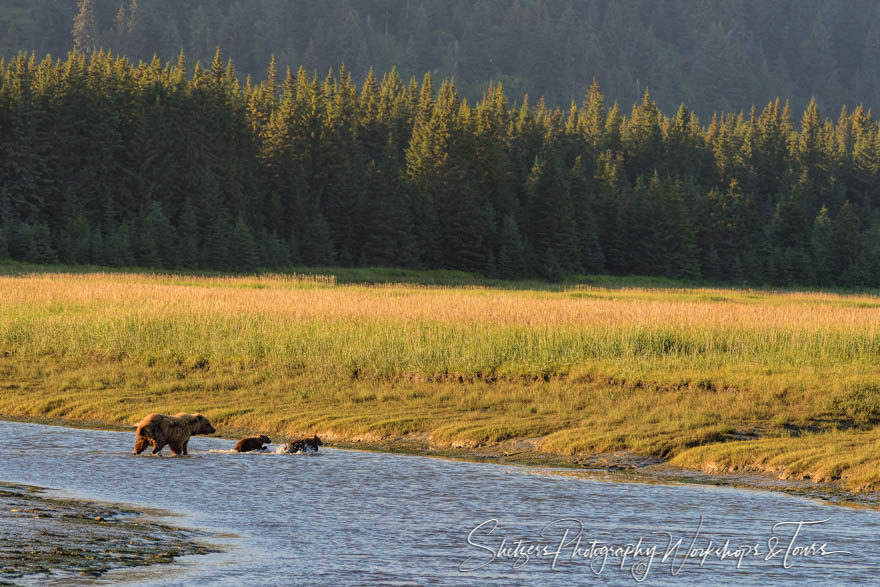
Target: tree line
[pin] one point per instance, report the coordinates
(712, 54)
(167, 164)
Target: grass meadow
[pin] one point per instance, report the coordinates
(714, 379)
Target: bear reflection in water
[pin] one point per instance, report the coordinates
(304, 445)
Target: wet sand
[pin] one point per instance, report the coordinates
(44, 537)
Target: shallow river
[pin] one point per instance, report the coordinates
(351, 517)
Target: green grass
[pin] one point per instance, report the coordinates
(717, 379)
(435, 277)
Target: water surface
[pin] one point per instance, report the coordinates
(352, 517)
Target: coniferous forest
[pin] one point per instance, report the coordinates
(188, 164)
(181, 166)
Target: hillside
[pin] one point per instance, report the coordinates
(716, 55)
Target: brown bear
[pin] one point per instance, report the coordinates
(157, 430)
(252, 443)
(303, 445)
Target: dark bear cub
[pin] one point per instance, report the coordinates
(252, 443)
(301, 446)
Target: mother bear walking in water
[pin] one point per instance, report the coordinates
(157, 430)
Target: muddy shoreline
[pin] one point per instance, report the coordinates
(622, 466)
(44, 537)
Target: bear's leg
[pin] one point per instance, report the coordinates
(186, 446)
(176, 448)
(157, 447)
(140, 445)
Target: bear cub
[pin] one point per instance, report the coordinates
(303, 445)
(252, 443)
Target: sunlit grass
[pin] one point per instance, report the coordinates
(712, 378)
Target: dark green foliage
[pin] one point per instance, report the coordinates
(549, 267)
(40, 249)
(512, 262)
(552, 217)
(65, 246)
(216, 230)
(154, 240)
(592, 258)
(187, 237)
(712, 264)
(388, 228)
(4, 243)
(146, 251)
(80, 240)
(155, 165)
(317, 242)
(820, 245)
(97, 254)
(118, 246)
(294, 250)
(273, 252)
(163, 234)
(244, 255)
(846, 246)
(19, 239)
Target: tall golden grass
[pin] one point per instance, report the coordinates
(717, 379)
(393, 330)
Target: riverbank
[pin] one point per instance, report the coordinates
(618, 466)
(627, 467)
(589, 422)
(376, 517)
(46, 538)
(718, 381)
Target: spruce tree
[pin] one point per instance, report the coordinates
(387, 222)
(40, 249)
(317, 241)
(6, 222)
(163, 235)
(146, 249)
(550, 268)
(820, 247)
(293, 249)
(20, 234)
(81, 240)
(512, 261)
(97, 248)
(591, 256)
(155, 165)
(119, 250)
(712, 264)
(273, 252)
(845, 244)
(243, 254)
(552, 215)
(85, 27)
(187, 241)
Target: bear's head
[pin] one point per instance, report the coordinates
(201, 425)
(317, 441)
(265, 439)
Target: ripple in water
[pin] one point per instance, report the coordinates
(357, 518)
